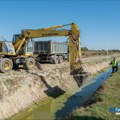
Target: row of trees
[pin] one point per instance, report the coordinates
(86, 49)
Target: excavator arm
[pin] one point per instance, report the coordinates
(25, 36)
(73, 42)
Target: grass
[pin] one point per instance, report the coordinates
(97, 107)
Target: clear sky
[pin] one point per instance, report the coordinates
(99, 21)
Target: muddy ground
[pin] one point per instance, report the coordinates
(21, 88)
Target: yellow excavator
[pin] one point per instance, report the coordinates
(13, 54)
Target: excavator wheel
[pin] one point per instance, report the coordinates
(29, 63)
(6, 65)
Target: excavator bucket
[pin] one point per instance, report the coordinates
(80, 78)
(79, 75)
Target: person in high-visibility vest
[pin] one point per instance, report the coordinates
(114, 64)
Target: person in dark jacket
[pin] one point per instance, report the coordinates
(114, 64)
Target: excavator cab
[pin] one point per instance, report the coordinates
(15, 37)
(6, 48)
(28, 51)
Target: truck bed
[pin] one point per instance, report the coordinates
(50, 47)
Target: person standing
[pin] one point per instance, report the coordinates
(114, 64)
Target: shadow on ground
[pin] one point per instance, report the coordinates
(52, 91)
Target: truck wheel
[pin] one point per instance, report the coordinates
(6, 65)
(60, 59)
(30, 63)
(55, 60)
